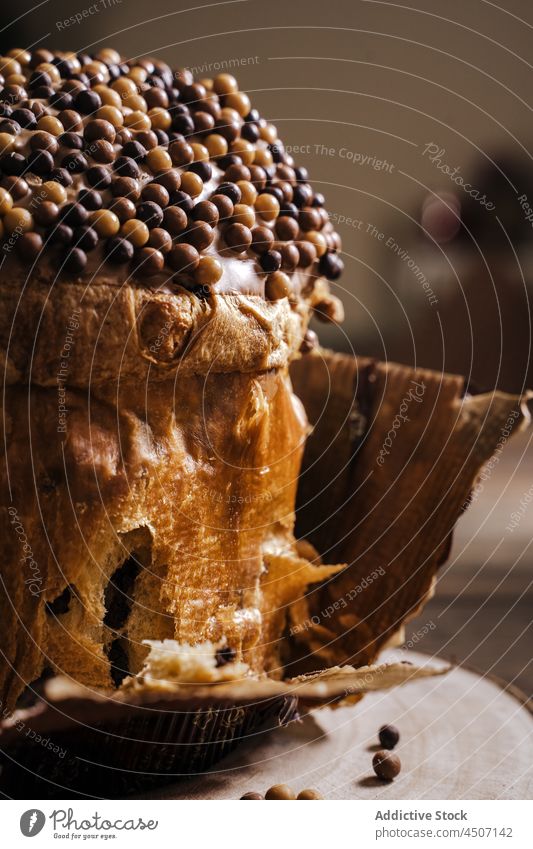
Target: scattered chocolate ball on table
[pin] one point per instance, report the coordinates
(280, 792)
(117, 164)
(309, 793)
(388, 736)
(386, 765)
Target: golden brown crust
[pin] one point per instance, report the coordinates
(195, 476)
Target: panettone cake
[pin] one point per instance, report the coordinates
(161, 258)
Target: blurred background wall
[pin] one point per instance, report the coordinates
(389, 106)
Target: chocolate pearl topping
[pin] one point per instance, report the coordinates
(199, 234)
(98, 176)
(60, 235)
(224, 206)
(24, 117)
(40, 162)
(231, 191)
(331, 266)
(151, 213)
(75, 260)
(74, 214)
(119, 250)
(205, 211)
(175, 220)
(46, 213)
(156, 170)
(126, 167)
(160, 239)
(90, 199)
(29, 246)
(184, 258)
(87, 102)
(150, 261)
(99, 129)
(290, 257)
(85, 237)
(270, 261)
(156, 193)
(262, 240)
(238, 237)
(72, 141)
(76, 163)
(124, 209)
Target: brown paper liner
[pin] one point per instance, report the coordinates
(75, 743)
(392, 519)
(80, 749)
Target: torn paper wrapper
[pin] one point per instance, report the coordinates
(388, 469)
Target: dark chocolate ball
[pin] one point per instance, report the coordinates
(90, 199)
(72, 141)
(73, 214)
(40, 162)
(134, 150)
(85, 237)
(61, 176)
(126, 167)
(75, 162)
(183, 200)
(87, 102)
(331, 266)
(270, 261)
(151, 213)
(119, 250)
(230, 190)
(60, 235)
(198, 234)
(25, 118)
(75, 260)
(98, 176)
(238, 237)
(205, 211)
(386, 765)
(13, 164)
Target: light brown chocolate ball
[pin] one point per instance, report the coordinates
(280, 791)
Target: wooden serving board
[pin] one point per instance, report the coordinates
(462, 737)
